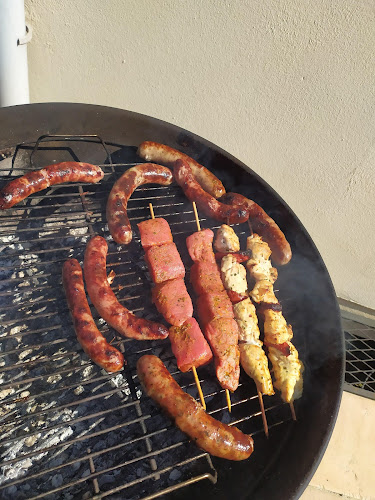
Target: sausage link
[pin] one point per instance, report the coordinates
(123, 188)
(264, 225)
(105, 302)
(67, 171)
(91, 340)
(160, 153)
(216, 438)
(207, 203)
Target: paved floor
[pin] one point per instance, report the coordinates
(347, 469)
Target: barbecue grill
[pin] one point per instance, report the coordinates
(71, 430)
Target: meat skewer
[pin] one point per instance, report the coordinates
(283, 355)
(253, 358)
(221, 325)
(171, 297)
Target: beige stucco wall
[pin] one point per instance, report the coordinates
(286, 86)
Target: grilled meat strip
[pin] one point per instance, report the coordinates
(215, 310)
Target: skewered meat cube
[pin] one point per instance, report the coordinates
(199, 245)
(205, 278)
(233, 275)
(288, 372)
(254, 362)
(213, 306)
(189, 345)
(164, 263)
(226, 240)
(155, 232)
(222, 334)
(173, 301)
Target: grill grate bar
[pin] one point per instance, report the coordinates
(76, 211)
(75, 440)
(111, 469)
(163, 471)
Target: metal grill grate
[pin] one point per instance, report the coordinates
(360, 358)
(67, 427)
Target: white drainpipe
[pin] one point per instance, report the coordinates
(14, 36)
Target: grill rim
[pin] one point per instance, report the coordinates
(46, 116)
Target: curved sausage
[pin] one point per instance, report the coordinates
(105, 301)
(216, 438)
(207, 203)
(91, 340)
(123, 188)
(160, 153)
(264, 225)
(67, 171)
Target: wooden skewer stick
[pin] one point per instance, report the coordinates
(199, 229)
(291, 404)
(198, 384)
(200, 392)
(264, 418)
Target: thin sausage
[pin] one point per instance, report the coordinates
(160, 153)
(264, 225)
(123, 188)
(67, 171)
(91, 340)
(207, 203)
(105, 301)
(216, 438)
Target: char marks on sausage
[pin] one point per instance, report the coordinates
(68, 171)
(90, 338)
(207, 203)
(105, 301)
(160, 153)
(117, 204)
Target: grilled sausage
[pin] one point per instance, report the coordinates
(123, 188)
(160, 153)
(207, 203)
(67, 171)
(91, 340)
(105, 302)
(264, 225)
(216, 438)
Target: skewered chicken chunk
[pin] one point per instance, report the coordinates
(252, 357)
(283, 355)
(263, 292)
(259, 265)
(233, 275)
(288, 372)
(226, 240)
(276, 331)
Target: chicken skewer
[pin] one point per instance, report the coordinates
(227, 394)
(283, 355)
(253, 358)
(175, 342)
